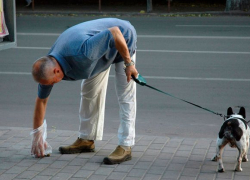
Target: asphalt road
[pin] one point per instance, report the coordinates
(202, 60)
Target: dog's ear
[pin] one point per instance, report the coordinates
(242, 112)
(229, 111)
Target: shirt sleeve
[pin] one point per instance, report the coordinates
(99, 45)
(44, 91)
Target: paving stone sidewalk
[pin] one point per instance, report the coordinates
(154, 158)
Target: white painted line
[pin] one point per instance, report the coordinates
(203, 124)
(196, 79)
(197, 52)
(150, 36)
(153, 77)
(193, 37)
(193, 79)
(15, 73)
(38, 34)
(39, 48)
(157, 51)
(225, 26)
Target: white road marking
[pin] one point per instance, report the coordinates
(196, 79)
(157, 51)
(213, 25)
(150, 36)
(196, 52)
(153, 77)
(15, 73)
(39, 48)
(194, 37)
(38, 34)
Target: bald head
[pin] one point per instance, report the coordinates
(42, 68)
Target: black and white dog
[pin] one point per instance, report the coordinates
(234, 132)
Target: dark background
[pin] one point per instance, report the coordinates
(127, 2)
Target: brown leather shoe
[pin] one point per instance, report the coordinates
(79, 146)
(118, 156)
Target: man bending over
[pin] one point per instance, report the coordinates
(86, 52)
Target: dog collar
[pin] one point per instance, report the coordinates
(239, 118)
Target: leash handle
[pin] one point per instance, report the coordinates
(139, 80)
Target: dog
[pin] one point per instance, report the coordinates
(235, 132)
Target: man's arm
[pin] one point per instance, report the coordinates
(122, 48)
(39, 112)
(39, 146)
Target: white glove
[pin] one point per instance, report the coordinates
(39, 146)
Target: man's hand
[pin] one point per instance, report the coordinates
(131, 71)
(38, 145)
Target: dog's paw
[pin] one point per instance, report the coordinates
(221, 170)
(215, 158)
(239, 169)
(244, 160)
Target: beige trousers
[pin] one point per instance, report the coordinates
(92, 106)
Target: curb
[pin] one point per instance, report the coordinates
(175, 14)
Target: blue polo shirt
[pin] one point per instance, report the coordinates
(88, 48)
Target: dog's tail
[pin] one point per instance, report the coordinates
(228, 135)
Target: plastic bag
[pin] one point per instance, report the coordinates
(39, 146)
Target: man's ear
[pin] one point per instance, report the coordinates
(56, 70)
